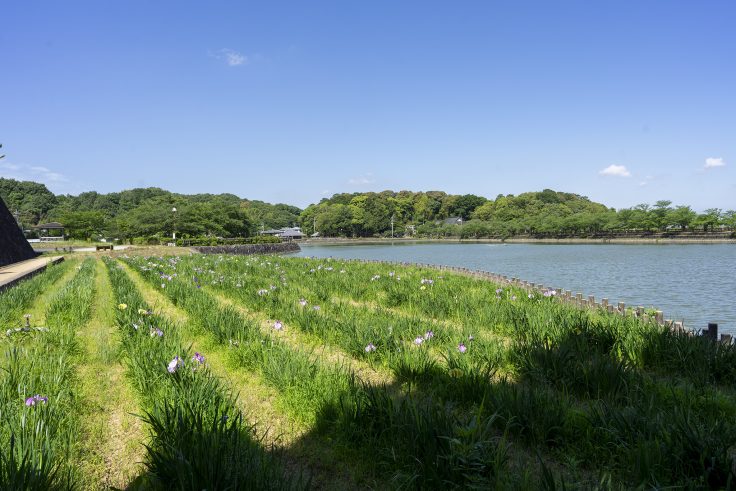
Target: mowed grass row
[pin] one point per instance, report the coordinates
(198, 439)
(39, 403)
(600, 395)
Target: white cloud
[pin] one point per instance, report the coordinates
(646, 181)
(615, 171)
(713, 162)
(31, 173)
(231, 57)
(361, 180)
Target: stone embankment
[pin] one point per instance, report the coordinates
(249, 249)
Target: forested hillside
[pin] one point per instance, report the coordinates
(143, 212)
(545, 213)
(146, 212)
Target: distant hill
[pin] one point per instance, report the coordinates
(145, 212)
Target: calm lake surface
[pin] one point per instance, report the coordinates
(693, 283)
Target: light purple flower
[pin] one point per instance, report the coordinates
(262, 292)
(419, 340)
(278, 325)
(391, 274)
(32, 401)
(316, 307)
(302, 302)
(198, 357)
(462, 348)
(499, 291)
(429, 335)
(174, 364)
(155, 331)
(370, 347)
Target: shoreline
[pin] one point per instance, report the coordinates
(616, 240)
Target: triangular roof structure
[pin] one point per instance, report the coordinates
(13, 245)
(49, 226)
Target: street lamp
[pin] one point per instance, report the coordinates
(173, 210)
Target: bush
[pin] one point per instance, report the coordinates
(214, 241)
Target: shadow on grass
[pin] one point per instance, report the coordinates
(573, 398)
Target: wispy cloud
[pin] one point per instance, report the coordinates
(615, 171)
(713, 162)
(646, 181)
(362, 180)
(230, 57)
(31, 173)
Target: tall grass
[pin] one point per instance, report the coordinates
(38, 395)
(14, 301)
(632, 404)
(189, 412)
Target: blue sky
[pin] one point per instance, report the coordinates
(624, 102)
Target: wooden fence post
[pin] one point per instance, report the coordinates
(712, 331)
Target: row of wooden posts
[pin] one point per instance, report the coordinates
(578, 299)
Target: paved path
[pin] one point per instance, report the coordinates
(12, 273)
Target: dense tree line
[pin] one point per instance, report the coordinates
(542, 214)
(143, 212)
(147, 212)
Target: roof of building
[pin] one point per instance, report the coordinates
(50, 225)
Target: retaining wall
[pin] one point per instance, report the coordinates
(249, 249)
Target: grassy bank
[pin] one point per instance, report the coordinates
(375, 376)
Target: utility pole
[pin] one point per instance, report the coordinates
(392, 226)
(173, 235)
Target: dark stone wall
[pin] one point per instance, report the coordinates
(248, 249)
(13, 246)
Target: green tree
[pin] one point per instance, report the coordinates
(659, 213)
(681, 216)
(84, 225)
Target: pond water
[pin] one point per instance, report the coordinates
(694, 283)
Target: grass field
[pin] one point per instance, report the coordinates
(222, 372)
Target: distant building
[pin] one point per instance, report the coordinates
(292, 233)
(50, 231)
(453, 221)
(289, 233)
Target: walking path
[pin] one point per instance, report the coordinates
(11, 274)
